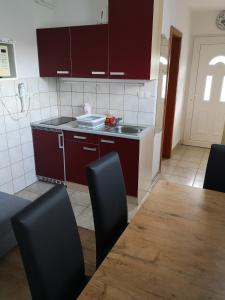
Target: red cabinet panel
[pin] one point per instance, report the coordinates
(77, 157)
(128, 151)
(89, 51)
(130, 38)
(81, 137)
(54, 52)
(48, 154)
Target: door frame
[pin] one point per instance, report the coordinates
(198, 41)
(175, 44)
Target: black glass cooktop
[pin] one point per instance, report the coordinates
(59, 121)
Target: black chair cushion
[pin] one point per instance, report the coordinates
(109, 202)
(215, 172)
(50, 246)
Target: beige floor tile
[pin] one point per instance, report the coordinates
(80, 198)
(76, 187)
(39, 187)
(203, 166)
(185, 172)
(198, 184)
(27, 195)
(179, 180)
(78, 209)
(188, 164)
(170, 162)
(167, 169)
(85, 219)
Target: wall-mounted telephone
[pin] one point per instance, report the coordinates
(4, 61)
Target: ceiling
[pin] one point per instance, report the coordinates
(206, 4)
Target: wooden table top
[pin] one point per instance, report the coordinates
(174, 248)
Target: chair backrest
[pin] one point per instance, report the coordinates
(215, 171)
(109, 203)
(50, 246)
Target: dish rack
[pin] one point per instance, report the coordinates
(91, 121)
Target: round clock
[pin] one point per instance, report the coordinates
(220, 21)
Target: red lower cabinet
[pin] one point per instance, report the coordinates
(48, 153)
(77, 156)
(128, 151)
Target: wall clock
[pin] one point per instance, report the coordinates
(220, 21)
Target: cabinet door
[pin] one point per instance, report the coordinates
(48, 152)
(54, 52)
(89, 51)
(130, 38)
(128, 151)
(77, 157)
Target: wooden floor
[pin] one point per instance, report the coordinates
(13, 283)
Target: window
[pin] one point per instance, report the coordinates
(163, 60)
(208, 88)
(222, 97)
(164, 86)
(217, 60)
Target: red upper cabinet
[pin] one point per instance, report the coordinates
(89, 51)
(54, 52)
(130, 38)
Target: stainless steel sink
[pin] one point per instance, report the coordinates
(127, 129)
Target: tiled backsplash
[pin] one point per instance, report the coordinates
(135, 103)
(16, 149)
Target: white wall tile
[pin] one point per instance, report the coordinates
(35, 102)
(77, 99)
(91, 99)
(45, 113)
(132, 89)
(78, 87)
(19, 184)
(66, 111)
(13, 138)
(65, 86)
(29, 164)
(30, 177)
(131, 117)
(17, 169)
(4, 159)
(35, 115)
(117, 113)
(15, 154)
(102, 88)
(103, 101)
(53, 99)
(26, 135)
(11, 124)
(65, 99)
(90, 87)
(52, 84)
(116, 102)
(5, 175)
(117, 88)
(8, 88)
(7, 188)
(27, 150)
(131, 103)
(44, 100)
(43, 85)
(145, 118)
(4, 143)
(2, 125)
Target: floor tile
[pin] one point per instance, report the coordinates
(80, 198)
(39, 187)
(27, 195)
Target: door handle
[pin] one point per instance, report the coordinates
(98, 73)
(60, 141)
(89, 149)
(107, 141)
(62, 72)
(117, 73)
(79, 137)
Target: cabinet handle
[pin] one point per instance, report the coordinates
(107, 141)
(98, 73)
(117, 73)
(79, 137)
(60, 141)
(89, 149)
(63, 72)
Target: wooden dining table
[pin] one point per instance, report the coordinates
(174, 248)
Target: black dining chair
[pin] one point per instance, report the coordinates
(50, 246)
(109, 202)
(215, 171)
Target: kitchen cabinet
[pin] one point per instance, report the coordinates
(130, 38)
(128, 151)
(89, 51)
(79, 152)
(54, 52)
(48, 153)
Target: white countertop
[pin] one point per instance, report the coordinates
(105, 131)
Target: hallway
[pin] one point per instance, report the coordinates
(187, 166)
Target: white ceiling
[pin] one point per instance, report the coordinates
(206, 4)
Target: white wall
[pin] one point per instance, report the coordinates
(177, 14)
(204, 23)
(19, 20)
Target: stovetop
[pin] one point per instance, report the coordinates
(58, 121)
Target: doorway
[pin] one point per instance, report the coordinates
(171, 92)
(206, 106)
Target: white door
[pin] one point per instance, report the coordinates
(206, 112)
